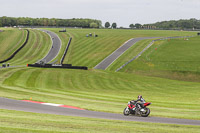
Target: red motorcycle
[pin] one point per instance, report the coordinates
(136, 108)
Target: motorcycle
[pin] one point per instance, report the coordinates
(137, 109)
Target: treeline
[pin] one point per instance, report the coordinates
(26, 21)
(179, 24)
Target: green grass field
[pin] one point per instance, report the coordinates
(106, 91)
(37, 47)
(174, 59)
(24, 122)
(10, 40)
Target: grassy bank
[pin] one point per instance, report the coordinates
(37, 47)
(174, 59)
(10, 40)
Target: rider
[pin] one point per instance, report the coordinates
(140, 100)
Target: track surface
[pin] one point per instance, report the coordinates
(39, 108)
(117, 53)
(55, 46)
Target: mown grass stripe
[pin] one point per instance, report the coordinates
(10, 40)
(33, 51)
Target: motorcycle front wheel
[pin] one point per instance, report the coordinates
(146, 112)
(126, 111)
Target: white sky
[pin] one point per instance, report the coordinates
(123, 12)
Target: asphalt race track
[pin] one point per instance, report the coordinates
(39, 108)
(55, 46)
(117, 53)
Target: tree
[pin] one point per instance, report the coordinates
(137, 25)
(93, 25)
(131, 26)
(4, 21)
(114, 25)
(107, 24)
(45, 21)
(21, 21)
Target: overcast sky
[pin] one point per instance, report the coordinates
(123, 12)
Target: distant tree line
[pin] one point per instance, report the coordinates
(172, 24)
(179, 24)
(136, 26)
(26, 21)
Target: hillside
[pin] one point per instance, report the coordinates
(37, 47)
(175, 59)
(10, 40)
(89, 51)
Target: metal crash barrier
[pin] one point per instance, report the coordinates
(67, 66)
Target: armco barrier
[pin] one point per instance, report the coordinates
(9, 58)
(67, 66)
(70, 39)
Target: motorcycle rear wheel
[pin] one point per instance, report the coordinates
(146, 113)
(126, 111)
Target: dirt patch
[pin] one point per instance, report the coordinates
(1, 30)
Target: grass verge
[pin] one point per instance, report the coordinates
(17, 121)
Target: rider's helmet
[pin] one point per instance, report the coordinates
(139, 97)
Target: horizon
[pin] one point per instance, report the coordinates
(103, 24)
